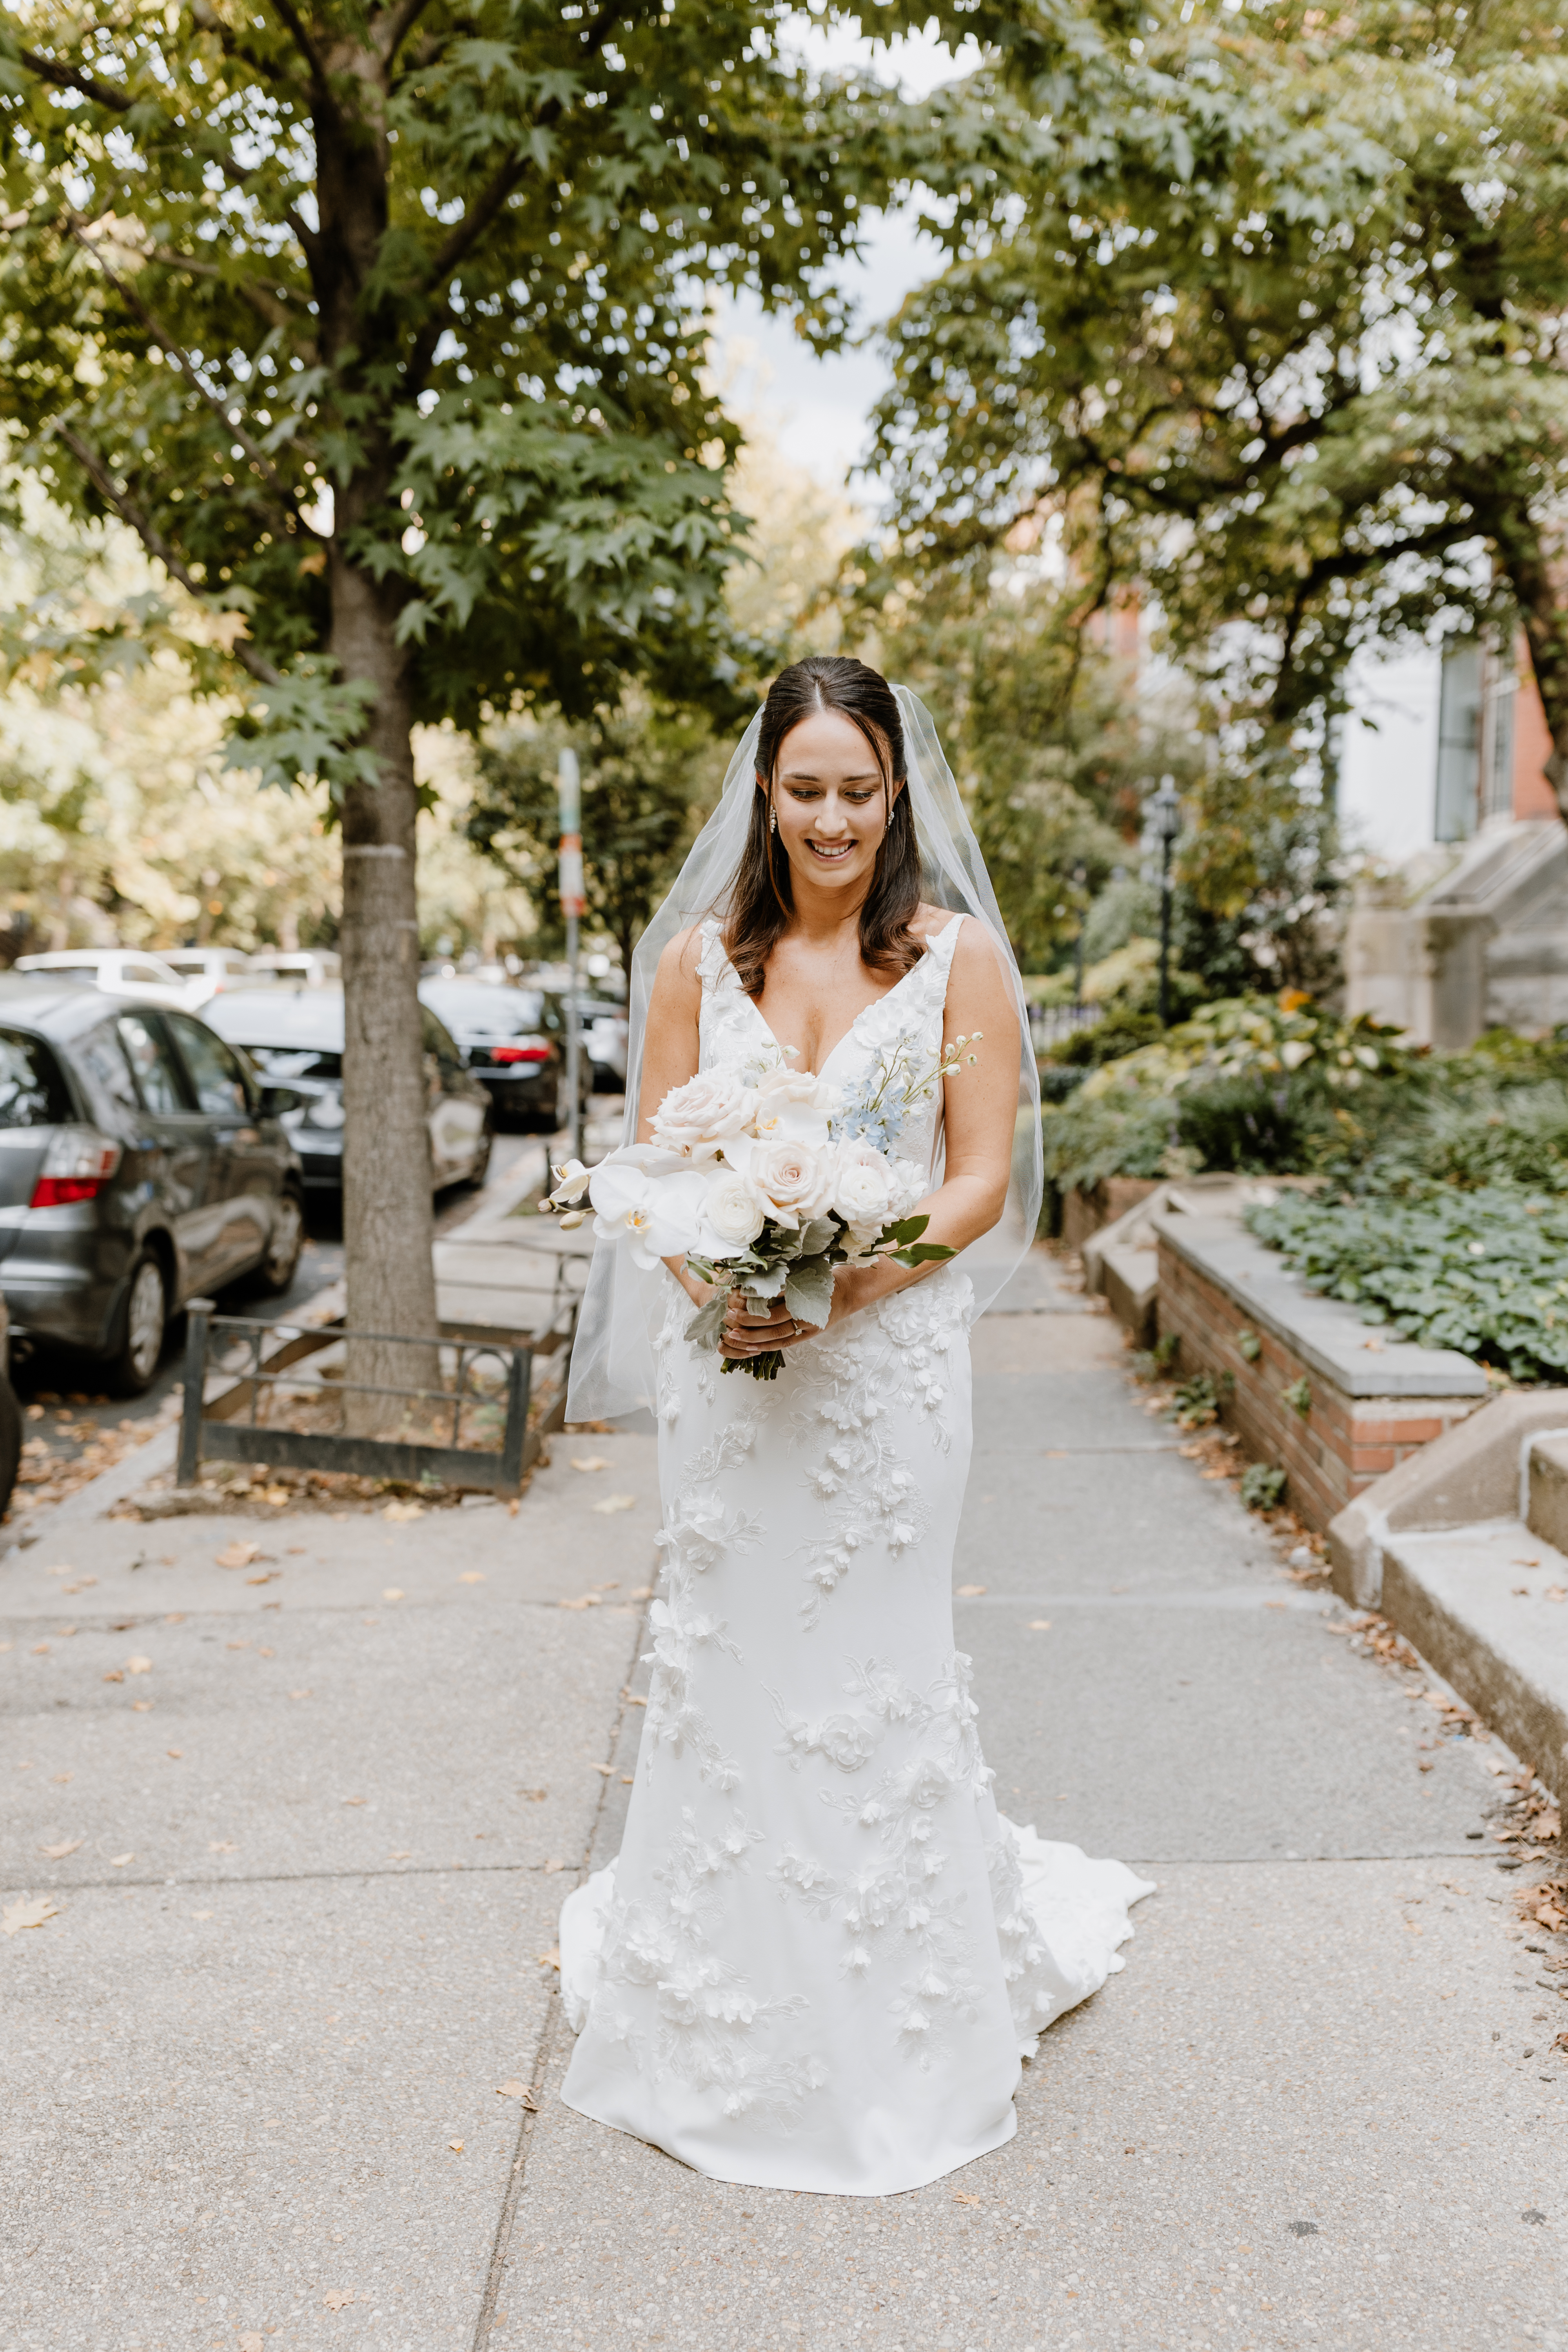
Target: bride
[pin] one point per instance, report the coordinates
(822, 1952)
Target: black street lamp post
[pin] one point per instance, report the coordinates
(1165, 810)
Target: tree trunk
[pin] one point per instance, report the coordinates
(388, 1229)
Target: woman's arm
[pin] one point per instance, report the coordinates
(980, 1111)
(670, 1055)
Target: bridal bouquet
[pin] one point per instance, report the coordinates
(767, 1180)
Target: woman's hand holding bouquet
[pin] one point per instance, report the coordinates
(764, 1187)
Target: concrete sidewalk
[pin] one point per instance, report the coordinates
(268, 2059)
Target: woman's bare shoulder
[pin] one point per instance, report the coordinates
(678, 961)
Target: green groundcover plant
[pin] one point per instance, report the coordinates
(1484, 1271)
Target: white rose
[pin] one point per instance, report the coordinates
(708, 1109)
(793, 1106)
(910, 1185)
(863, 1190)
(796, 1180)
(733, 1213)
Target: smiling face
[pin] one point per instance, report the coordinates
(830, 801)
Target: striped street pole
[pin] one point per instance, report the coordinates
(572, 905)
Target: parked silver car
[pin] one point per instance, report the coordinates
(295, 1038)
(141, 1163)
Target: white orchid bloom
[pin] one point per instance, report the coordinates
(571, 1182)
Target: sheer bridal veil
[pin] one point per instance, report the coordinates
(612, 1362)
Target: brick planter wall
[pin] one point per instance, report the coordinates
(1083, 1214)
(1343, 1442)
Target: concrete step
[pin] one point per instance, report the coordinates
(1546, 1478)
(1487, 1605)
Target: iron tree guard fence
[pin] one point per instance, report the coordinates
(484, 1389)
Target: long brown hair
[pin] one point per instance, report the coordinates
(762, 898)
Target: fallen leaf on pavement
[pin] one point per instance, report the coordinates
(268, 1576)
(516, 2090)
(400, 1511)
(62, 1776)
(1526, 1561)
(16, 1915)
(1039, 1624)
(614, 1502)
(962, 2197)
(353, 1801)
(588, 1601)
(472, 1576)
(456, 2146)
(58, 1853)
(115, 1674)
(222, 1845)
(393, 1593)
(119, 1860)
(143, 1706)
(252, 2342)
(606, 1769)
(1556, 1592)
(550, 1959)
(337, 2298)
(174, 1753)
(275, 1494)
(972, 1591)
(534, 1796)
(138, 1665)
(300, 1693)
(643, 1593)
(40, 1649)
(553, 1865)
(591, 1461)
(237, 1555)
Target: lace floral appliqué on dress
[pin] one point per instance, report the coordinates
(822, 1952)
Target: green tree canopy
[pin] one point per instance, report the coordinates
(1261, 305)
(648, 774)
(382, 325)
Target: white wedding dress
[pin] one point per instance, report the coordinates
(822, 1952)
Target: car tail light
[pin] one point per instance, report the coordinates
(519, 1053)
(77, 1163)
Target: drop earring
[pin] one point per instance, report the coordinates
(773, 818)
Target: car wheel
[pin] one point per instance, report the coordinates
(281, 1262)
(10, 1441)
(134, 1367)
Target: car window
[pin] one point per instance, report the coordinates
(32, 1093)
(212, 1067)
(102, 1057)
(158, 1079)
(436, 1040)
(146, 975)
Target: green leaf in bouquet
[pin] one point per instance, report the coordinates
(702, 1267)
(706, 1326)
(923, 1252)
(808, 1291)
(908, 1229)
(767, 1281)
(818, 1235)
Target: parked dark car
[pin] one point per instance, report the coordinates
(514, 1042)
(295, 1038)
(140, 1162)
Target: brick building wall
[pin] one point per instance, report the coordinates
(1329, 1452)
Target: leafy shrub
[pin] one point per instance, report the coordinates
(1481, 1271)
(1262, 1486)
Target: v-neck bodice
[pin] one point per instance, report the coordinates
(733, 1036)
